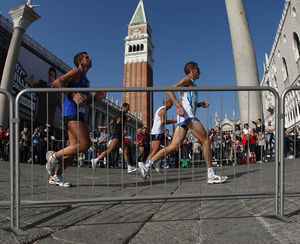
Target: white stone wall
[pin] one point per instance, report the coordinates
(275, 74)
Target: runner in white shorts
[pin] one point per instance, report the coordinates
(186, 110)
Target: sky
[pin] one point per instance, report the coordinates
(182, 31)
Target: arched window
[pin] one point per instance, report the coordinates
(284, 69)
(142, 47)
(138, 47)
(296, 46)
(130, 48)
(134, 48)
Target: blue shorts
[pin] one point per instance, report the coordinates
(183, 123)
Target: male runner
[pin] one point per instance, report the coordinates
(77, 133)
(159, 129)
(187, 120)
(117, 134)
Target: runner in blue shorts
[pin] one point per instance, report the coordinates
(77, 132)
(186, 119)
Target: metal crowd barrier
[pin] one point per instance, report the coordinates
(134, 196)
(11, 203)
(284, 191)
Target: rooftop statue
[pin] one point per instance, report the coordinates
(30, 5)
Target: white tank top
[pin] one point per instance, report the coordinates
(158, 127)
(188, 101)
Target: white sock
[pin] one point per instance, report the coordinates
(149, 163)
(96, 160)
(157, 162)
(210, 172)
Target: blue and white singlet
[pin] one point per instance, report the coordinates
(188, 101)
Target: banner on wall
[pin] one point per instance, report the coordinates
(32, 71)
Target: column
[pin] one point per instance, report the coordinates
(22, 17)
(244, 60)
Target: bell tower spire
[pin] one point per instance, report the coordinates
(138, 65)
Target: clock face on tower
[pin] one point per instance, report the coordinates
(137, 31)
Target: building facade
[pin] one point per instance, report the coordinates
(138, 65)
(282, 66)
(226, 125)
(35, 110)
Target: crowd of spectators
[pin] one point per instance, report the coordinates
(243, 146)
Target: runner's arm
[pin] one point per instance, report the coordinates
(185, 82)
(162, 115)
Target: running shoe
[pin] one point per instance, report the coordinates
(94, 163)
(216, 179)
(143, 170)
(52, 164)
(58, 180)
(157, 168)
(131, 169)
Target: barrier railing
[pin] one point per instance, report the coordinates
(11, 119)
(128, 195)
(284, 147)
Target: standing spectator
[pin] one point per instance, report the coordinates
(46, 143)
(146, 141)
(287, 146)
(237, 131)
(270, 137)
(293, 141)
(218, 141)
(197, 152)
(36, 137)
(2, 135)
(6, 142)
(252, 141)
(261, 142)
(92, 151)
(259, 127)
(24, 144)
(228, 142)
(143, 142)
(103, 140)
(211, 136)
(245, 131)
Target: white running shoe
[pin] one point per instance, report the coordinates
(157, 168)
(216, 179)
(58, 180)
(143, 170)
(94, 163)
(131, 169)
(52, 164)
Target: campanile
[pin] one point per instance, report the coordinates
(138, 65)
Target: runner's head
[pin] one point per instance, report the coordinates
(82, 59)
(192, 70)
(168, 103)
(125, 107)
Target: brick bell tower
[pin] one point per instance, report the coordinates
(138, 66)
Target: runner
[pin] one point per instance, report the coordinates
(187, 121)
(158, 129)
(117, 134)
(77, 132)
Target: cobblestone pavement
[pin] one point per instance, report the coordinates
(213, 220)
